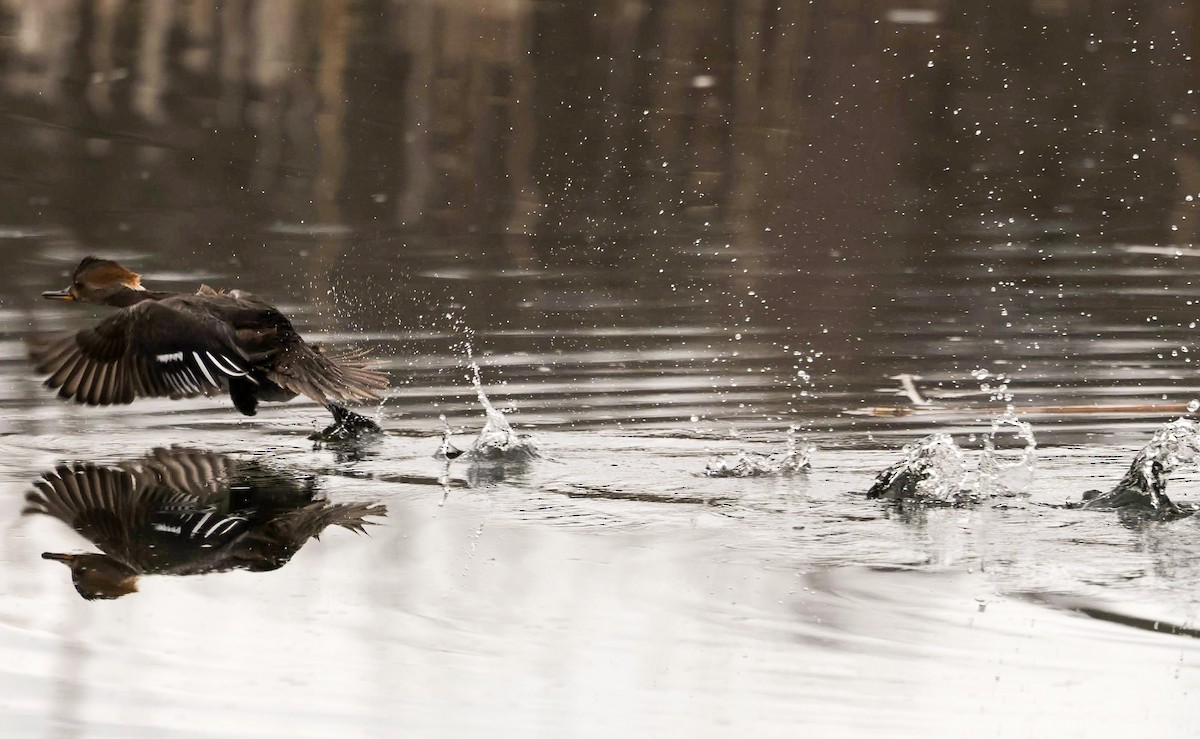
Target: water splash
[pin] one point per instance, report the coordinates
(446, 450)
(496, 452)
(935, 471)
(1144, 486)
(1001, 474)
(995, 385)
(497, 440)
(446, 453)
(752, 464)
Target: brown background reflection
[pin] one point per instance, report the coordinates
(538, 121)
(756, 167)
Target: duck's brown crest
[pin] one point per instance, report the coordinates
(106, 271)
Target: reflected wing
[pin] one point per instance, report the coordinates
(147, 350)
(203, 478)
(106, 505)
(117, 508)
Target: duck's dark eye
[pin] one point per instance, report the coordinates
(78, 285)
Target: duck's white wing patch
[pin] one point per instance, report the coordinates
(225, 364)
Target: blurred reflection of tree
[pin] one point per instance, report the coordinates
(468, 129)
(527, 127)
(100, 55)
(157, 17)
(43, 41)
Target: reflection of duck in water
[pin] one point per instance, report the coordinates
(162, 344)
(184, 512)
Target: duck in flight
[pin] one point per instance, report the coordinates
(176, 345)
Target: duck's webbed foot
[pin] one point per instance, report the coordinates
(347, 426)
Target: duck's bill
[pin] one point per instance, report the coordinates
(64, 558)
(58, 295)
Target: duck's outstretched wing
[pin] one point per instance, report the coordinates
(306, 369)
(150, 349)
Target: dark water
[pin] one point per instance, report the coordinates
(667, 232)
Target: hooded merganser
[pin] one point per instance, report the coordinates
(163, 344)
(183, 512)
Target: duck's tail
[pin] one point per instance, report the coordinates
(308, 370)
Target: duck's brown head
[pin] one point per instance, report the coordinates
(100, 281)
